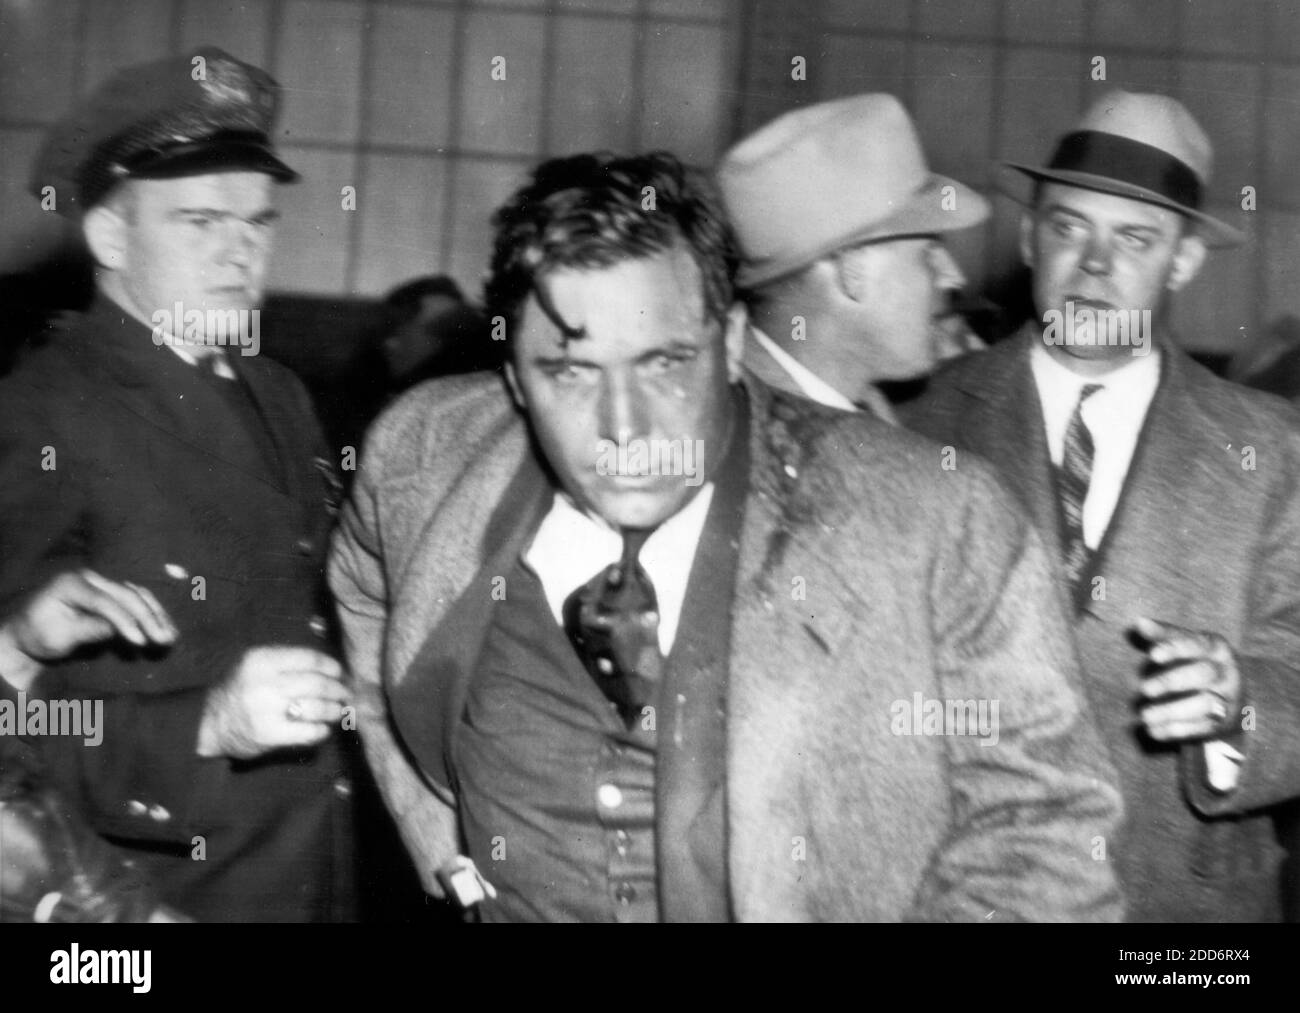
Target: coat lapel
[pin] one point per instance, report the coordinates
(429, 666)
(1143, 536)
(153, 383)
(780, 514)
(1006, 425)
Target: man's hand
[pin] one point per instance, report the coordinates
(73, 610)
(275, 698)
(1198, 685)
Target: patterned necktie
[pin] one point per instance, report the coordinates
(1074, 476)
(613, 622)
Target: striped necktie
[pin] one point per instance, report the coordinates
(1073, 477)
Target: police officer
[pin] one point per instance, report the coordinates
(149, 441)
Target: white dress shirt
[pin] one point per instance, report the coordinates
(571, 547)
(1114, 417)
(813, 387)
(220, 366)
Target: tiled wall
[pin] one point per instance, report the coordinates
(396, 98)
(992, 80)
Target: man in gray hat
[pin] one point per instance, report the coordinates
(839, 222)
(1172, 499)
(149, 442)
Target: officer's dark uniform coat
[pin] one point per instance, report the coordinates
(117, 455)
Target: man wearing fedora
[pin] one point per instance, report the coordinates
(627, 692)
(1171, 498)
(839, 223)
(142, 444)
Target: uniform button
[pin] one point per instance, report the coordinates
(159, 814)
(609, 796)
(625, 893)
(622, 841)
(304, 546)
(136, 808)
(343, 788)
(318, 626)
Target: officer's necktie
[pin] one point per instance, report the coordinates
(1074, 476)
(613, 622)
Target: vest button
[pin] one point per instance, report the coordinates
(609, 796)
(625, 893)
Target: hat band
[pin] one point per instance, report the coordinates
(1129, 161)
(174, 148)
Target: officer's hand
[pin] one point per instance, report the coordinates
(275, 698)
(73, 610)
(1197, 686)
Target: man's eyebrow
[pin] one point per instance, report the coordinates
(1144, 227)
(1062, 209)
(672, 348)
(266, 215)
(555, 361)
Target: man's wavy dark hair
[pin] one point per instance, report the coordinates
(590, 212)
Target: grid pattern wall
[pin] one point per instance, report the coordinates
(397, 99)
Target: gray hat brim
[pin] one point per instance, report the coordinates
(924, 214)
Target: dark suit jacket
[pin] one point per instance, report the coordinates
(917, 581)
(1197, 540)
(153, 481)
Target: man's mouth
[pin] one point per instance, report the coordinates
(1093, 304)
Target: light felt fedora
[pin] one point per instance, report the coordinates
(833, 175)
(1146, 147)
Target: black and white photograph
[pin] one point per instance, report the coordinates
(645, 461)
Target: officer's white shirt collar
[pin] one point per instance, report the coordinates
(219, 364)
(1113, 415)
(813, 387)
(571, 547)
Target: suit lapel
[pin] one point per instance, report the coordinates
(1006, 426)
(1140, 538)
(763, 694)
(154, 384)
(427, 690)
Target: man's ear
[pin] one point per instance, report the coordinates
(1027, 239)
(851, 273)
(1188, 259)
(104, 227)
(736, 326)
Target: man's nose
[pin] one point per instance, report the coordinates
(624, 412)
(240, 242)
(1097, 255)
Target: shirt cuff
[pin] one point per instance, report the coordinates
(1222, 765)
